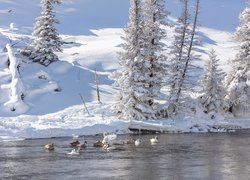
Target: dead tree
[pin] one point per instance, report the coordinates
(188, 58)
(84, 103)
(97, 87)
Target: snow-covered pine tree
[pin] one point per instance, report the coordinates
(130, 78)
(212, 98)
(238, 81)
(139, 78)
(179, 54)
(154, 67)
(46, 40)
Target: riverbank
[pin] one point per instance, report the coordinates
(75, 121)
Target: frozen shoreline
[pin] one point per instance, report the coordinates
(74, 121)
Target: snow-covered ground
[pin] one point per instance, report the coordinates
(92, 29)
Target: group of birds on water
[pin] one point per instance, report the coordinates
(108, 143)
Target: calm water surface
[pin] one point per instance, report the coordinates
(177, 156)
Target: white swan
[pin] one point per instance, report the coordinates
(75, 152)
(154, 140)
(108, 138)
(105, 145)
(105, 138)
(137, 142)
(49, 147)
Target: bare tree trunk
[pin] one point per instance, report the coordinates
(189, 52)
(184, 29)
(97, 87)
(84, 103)
(183, 36)
(152, 59)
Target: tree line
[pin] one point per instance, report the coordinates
(146, 69)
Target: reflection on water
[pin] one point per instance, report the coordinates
(176, 156)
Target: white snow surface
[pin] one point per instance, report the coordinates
(52, 106)
(15, 87)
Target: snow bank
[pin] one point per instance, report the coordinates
(152, 126)
(69, 122)
(17, 91)
(189, 125)
(75, 121)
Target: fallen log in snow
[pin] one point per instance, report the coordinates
(151, 127)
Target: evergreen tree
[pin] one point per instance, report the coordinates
(140, 78)
(238, 81)
(154, 67)
(128, 79)
(213, 90)
(46, 40)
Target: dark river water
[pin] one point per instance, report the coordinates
(176, 156)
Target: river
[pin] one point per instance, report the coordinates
(176, 156)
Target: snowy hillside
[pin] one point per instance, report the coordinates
(92, 31)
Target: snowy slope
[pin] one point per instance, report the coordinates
(93, 29)
(74, 75)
